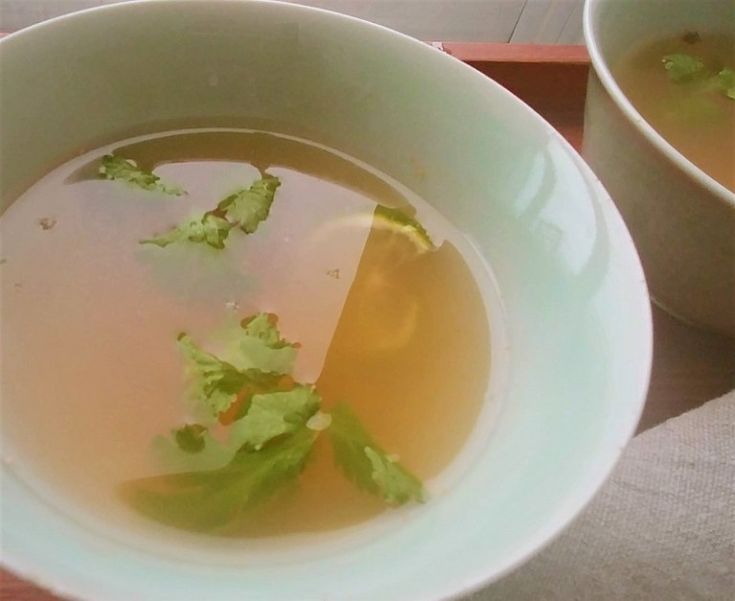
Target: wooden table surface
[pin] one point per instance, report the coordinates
(690, 366)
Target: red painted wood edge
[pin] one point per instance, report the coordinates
(517, 53)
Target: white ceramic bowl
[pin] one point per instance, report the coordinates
(572, 345)
(682, 220)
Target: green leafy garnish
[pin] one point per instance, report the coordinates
(127, 170)
(171, 457)
(247, 207)
(209, 228)
(366, 464)
(190, 438)
(244, 209)
(257, 343)
(683, 67)
(273, 422)
(273, 414)
(398, 221)
(263, 327)
(217, 499)
(215, 384)
(726, 82)
(395, 483)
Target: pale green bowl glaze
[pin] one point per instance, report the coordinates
(576, 312)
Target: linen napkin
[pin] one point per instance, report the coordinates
(662, 528)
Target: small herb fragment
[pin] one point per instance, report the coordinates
(263, 327)
(209, 228)
(190, 438)
(682, 67)
(395, 483)
(366, 464)
(691, 37)
(247, 207)
(398, 221)
(726, 81)
(127, 170)
(258, 344)
(46, 223)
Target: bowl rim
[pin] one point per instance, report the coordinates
(601, 69)
(587, 488)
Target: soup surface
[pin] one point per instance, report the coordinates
(684, 86)
(140, 340)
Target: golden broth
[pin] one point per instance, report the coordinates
(91, 374)
(696, 117)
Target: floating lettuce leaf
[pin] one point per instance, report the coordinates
(271, 423)
(683, 67)
(274, 414)
(726, 82)
(366, 464)
(267, 416)
(208, 229)
(215, 384)
(396, 485)
(264, 327)
(248, 207)
(257, 343)
(244, 209)
(686, 69)
(220, 499)
(127, 170)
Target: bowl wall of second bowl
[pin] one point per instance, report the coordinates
(682, 220)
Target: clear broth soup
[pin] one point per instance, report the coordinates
(374, 285)
(691, 103)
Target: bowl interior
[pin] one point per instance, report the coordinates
(575, 311)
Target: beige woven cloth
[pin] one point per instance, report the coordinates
(662, 528)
